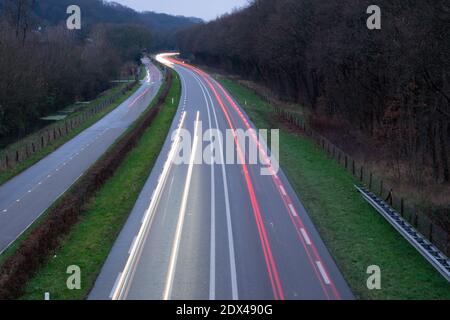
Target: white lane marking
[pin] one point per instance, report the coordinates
(29, 191)
(49, 176)
(126, 276)
(322, 272)
(132, 244)
(212, 263)
(176, 243)
(18, 200)
(291, 207)
(116, 283)
(233, 273)
(5, 210)
(282, 190)
(212, 259)
(305, 236)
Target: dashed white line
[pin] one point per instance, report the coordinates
(234, 285)
(305, 236)
(322, 272)
(282, 190)
(292, 209)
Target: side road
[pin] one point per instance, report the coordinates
(26, 196)
(60, 219)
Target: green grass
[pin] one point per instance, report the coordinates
(142, 72)
(354, 233)
(90, 241)
(10, 173)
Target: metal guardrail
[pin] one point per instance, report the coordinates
(437, 259)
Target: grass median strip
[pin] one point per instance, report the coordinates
(355, 234)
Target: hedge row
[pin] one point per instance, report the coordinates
(42, 241)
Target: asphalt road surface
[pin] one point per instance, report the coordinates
(25, 197)
(201, 231)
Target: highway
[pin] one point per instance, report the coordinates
(217, 231)
(25, 197)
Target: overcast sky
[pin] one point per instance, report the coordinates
(205, 9)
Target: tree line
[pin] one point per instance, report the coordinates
(44, 66)
(391, 85)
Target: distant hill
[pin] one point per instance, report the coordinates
(165, 22)
(99, 11)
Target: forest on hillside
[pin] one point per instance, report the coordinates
(389, 86)
(44, 66)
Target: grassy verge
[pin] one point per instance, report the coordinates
(90, 241)
(355, 234)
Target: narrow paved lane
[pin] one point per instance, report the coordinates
(25, 197)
